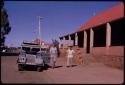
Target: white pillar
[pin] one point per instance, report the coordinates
(91, 39)
(69, 37)
(85, 41)
(60, 42)
(108, 35)
(76, 39)
(70, 40)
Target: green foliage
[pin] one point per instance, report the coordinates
(5, 27)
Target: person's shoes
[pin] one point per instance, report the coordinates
(67, 66)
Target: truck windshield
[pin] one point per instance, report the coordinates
(35, 49)
(26, 49)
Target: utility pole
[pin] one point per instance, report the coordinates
(40, 32)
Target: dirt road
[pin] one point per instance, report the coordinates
(94, 73)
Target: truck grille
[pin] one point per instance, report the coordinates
(30, 58)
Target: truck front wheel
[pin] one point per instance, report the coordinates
(20, 68)
(39, 69)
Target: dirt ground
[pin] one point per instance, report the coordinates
(93, 73)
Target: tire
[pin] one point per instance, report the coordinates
(39, 69)
(20, 68)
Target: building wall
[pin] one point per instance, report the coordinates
(116, 51)
(105, 41)
(111, 51)
(111, 55)
(98, 51)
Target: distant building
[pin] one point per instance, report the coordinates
(65, 43)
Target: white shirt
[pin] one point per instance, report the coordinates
(70, 53)
(53, 50)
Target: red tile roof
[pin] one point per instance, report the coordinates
(113, 13)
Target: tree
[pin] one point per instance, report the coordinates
(5, 27)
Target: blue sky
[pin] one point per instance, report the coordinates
(59, 18)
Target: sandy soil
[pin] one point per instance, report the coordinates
(94, 73)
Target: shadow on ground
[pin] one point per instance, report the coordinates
(58, 66)
(34, 68)
(74, 65)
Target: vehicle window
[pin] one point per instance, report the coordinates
(35, 49)
(26, 49)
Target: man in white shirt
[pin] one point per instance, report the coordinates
(70, 53)
(53, 55)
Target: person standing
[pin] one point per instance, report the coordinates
(53, 55)
(70, 53)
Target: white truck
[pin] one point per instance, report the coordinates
(31, 55)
